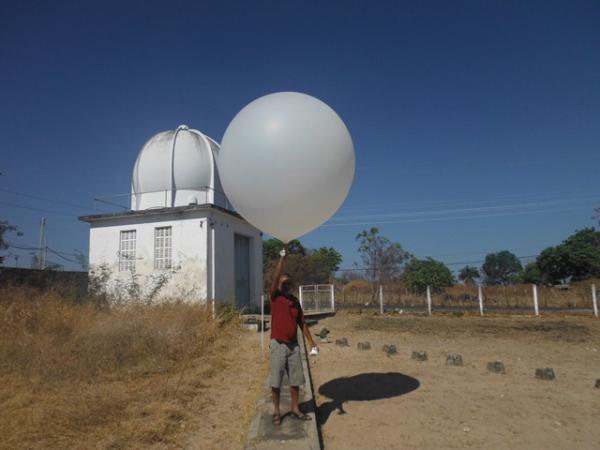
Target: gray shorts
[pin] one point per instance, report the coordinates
(285, 360)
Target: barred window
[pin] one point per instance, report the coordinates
(127, 250)
(162, 248)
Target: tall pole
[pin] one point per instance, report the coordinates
(42, 261)
(480, 295)
(594, 300)
(535, 301)
(380, 299)
(428, 300)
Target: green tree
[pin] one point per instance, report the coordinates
(420, 273)
(531, 274)
(383, 258)
(5, 227)
(272, 247)
(328, 257)
(577, 258)
(501, 268)
(468, 274)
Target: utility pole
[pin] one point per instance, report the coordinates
(43, 250)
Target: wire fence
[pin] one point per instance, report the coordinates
(360, 295)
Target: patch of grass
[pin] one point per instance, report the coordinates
(74, 375)
(565, 328)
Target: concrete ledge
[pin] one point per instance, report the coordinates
(292, 434)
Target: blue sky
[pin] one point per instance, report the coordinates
(476, 124)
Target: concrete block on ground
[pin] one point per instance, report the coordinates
(419, 356)
(454, 360)
(545, 374)
(496, 367)
(343, 342)
(364, 346)
(323, 333)
(390, 349)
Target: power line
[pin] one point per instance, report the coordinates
(455, 263)
(36, 197)
(437, 219)
(455, 210)
(60, 213)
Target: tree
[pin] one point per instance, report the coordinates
(576, 258)
(305, 265)
(501, 268)
(5, 227)
(420, 273)
(328, 257)
(531, 274)
(382, 258)
(468, 274)
(272, 247)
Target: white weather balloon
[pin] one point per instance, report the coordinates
(286, 163)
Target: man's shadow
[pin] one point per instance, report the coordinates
(362, 387)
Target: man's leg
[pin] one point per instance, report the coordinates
(276, 369)
(295, 391)
(275, 393)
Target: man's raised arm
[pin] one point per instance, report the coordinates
(278, 269)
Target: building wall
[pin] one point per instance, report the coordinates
(225, 228)
(195, 234)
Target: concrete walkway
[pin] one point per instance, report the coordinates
(292, 434)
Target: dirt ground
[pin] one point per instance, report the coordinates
(395, 402)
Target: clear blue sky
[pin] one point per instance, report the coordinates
(476, 124)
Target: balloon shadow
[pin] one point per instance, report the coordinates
(362, 387)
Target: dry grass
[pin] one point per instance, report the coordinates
(75, 375)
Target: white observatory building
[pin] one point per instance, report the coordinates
(180, 239)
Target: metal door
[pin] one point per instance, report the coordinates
(242, 270)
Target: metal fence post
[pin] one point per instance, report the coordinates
(300, 293)
(380, 299)
(429, 300)
(262, 324)
(594, 300)
(317, 297)
(480, 295)
(535, 300)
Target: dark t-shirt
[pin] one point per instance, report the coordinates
(286, 317)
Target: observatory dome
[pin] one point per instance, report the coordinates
(177, 168)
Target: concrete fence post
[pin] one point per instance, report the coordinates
(594, 300)
(429, 300)
(480, 295)
(535, 300)
(332, 297)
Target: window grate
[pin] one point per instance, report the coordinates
(162, 248)
(127, 250)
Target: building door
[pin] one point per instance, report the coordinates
(242, 270)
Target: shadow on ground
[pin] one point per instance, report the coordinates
(362, 387)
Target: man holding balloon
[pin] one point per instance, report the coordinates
(285, 358)
(308, 154)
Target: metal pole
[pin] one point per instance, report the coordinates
(380, 299)
(535, 300)
(480, 294)
(300, 293)
(262, 324)
(428, 300)
(42, 262)
(594, 300)
(316, 297)
(332, 297)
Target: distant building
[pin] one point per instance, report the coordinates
(180, 239)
